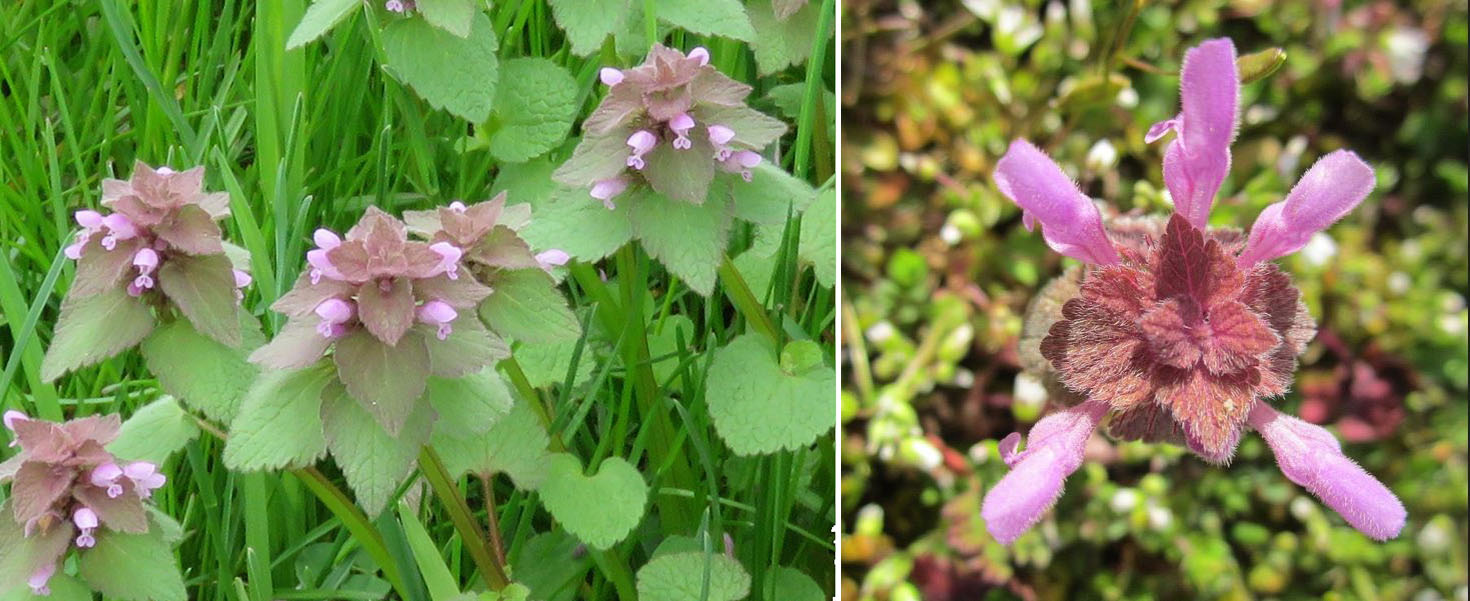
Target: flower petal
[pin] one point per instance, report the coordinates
(1310, 456)
(1198, 159)
(1070, 222)
(1054, 451)
(1334, 185)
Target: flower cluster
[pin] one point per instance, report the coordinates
(485, 234)
(671, 122)
(159, 215)
(67, 490)
(1179, 331)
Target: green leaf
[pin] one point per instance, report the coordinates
(688, 239)
(710, 17)
(203, 288)
(819, 237)
(63, 588)
(779, 44)
(469, 405)
(575, 222)
(133, 567)
(280, 421)
(514, 446)
(800, 356)
(600, 509)
(453, 16)
(205, 374)
(588, 22)
(320, 18)
(769, 194)
(757, 268)
(527, 306)
(386, 380)
(552, 564)
(684, 576)
(757, 408)
(1259, 65)
(437, 577)
(535, 113)
(789, 584)
(546, 364)
(788, 99)
(155, 432)
(94, 328)
(452, 73)
(373, 461)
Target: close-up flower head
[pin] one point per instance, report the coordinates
(671, 123)
(1182, 333)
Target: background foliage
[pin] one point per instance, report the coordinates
(305, 127)
(937, 272)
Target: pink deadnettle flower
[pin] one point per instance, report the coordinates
(1180, 332)
(670, 123)
(68, 490)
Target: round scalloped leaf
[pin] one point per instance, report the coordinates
(789, 584)
(819, 237)
(682, 576)
(514, 446)
(155, 432)
(711, 17)
(573, 221)
(781, 43)
(535, 112)
(527, 306)
(600, 509)
(203, 373)
(757, 408)
(453, 73)
(469, 405)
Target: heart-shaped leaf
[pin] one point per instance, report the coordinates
(757, 408)
(600, 509)
(683, 576)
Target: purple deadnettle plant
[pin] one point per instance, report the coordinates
(670, 123)
(380, 300)
(67, 491)
(160, 250)
(1181, 332)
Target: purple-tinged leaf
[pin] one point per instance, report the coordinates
(386, 380)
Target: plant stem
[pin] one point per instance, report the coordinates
(464, 521)
(745, 301)
(492, 521)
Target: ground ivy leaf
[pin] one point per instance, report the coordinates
(320, 18)
(469, 405)
(203, 373)
(452, 73)
(133, 567)
(681, 576)
(789, 584)
(600, 509)
(514, 446)
(576, 223)
(453, 16)
(280, 421)
(526, 305)
(769, 194)
(535, 112)
(782, 43)
(757, 269)
(203, 288)
(373, 461)
(819, 237)
(588, 22)
(688, 239)
(155, 432)
(94, 328)
(759, 409)
(711, 17)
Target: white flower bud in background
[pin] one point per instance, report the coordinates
(1124, 500)
(1029, 390)
(1102, 156)
(1319, 249)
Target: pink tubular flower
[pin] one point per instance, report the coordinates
(1183, 333)
(325, 240)
(119, 227)
(1309, 455)
(700, 54)
(1053, 451)
(605, 190)
(552, 258)
(91, 222)
(145, 477)
(1070, 223)
(1197, 160)
(641, 142)
(86, 521)
(449, 256)
(741, 162)
(719, 136)
(334, 312)
(40, 578)
(680, 125)
(106, 476)
(146, 260)
(610, 76)
(438, 313)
